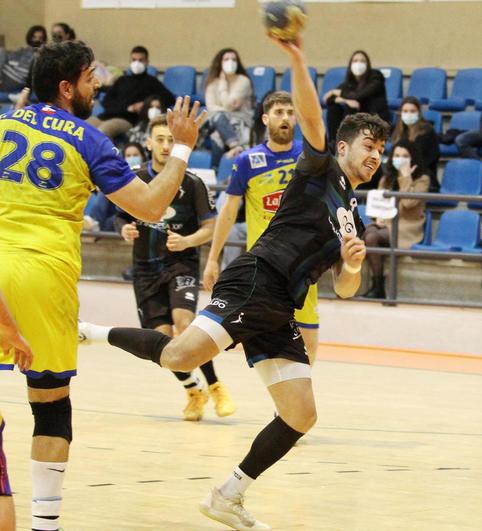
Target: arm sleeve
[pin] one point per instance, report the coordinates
(238, 184)
(204, 204)
(311, 160)
(373, 87)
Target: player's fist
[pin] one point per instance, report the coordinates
(129, 232)
(353, 251)
(211, 274)
(176, 242)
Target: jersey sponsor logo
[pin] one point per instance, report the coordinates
(285, 161)
(47, 109)
(220, 303)
(346, 221)
(272, 201)
(257, 160)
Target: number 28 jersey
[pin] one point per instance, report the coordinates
(49, 163)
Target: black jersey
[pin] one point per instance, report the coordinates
(318, 207)
(191, 205)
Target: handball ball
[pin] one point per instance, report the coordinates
(284, 19)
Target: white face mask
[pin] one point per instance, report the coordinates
(153, 112)
(137, 67)
(230, 66)
(358, 68)
(398, 162)
(410, 118)
(134, 161)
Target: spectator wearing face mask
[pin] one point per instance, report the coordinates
(151, 109)
(124, 101)
(62, 32)
(413, 127)
(403, 172)
(15, 66)
(229, 101)
(363, 90)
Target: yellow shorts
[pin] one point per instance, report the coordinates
(41, 293)
(307, 317)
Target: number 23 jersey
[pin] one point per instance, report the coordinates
(49, 163)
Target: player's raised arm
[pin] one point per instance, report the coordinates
(150, 201)
(305, 98)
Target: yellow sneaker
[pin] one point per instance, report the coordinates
(196, 400)
(222, 401)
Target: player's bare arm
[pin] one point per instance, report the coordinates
(149, 201)
(305, 97)
(346, 273)
(224, 224)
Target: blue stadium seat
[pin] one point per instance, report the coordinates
(436, 118)
(362, 209)
(393, 84)
(4, 97)
(201, 88)
(5, 107)
(286, 78)
(200, 159)
(427, 229)
(426, 84)
(478, 105)
(263, 79)
(465, 121)
(462, 176)
(224, 169)
(458, 231)
(180, 80)
(467, 88)
(298, 134)
(98, 108)
(332, 78)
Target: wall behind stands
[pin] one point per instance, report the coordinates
(16, 16)
(408, 35)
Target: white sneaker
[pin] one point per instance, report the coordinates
(230, 511)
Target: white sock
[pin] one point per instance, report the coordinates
(47, 480)
(237, 483)
(193, 382)
(94, 332)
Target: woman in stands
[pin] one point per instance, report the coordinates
(151, 109)
(403, 172)
(229, 101)
(412, 126)
(363, 90)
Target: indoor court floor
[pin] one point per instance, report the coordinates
(397, 445)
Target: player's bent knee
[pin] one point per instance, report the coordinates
(53, 419)
(174, 357)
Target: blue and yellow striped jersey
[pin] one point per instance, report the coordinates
(50, 162)
(261, 176)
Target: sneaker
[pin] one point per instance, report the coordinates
(222, 401)
(197, 399)
(230, 511)
(82, 332)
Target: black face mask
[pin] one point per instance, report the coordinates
(36, 44)
(56, 37)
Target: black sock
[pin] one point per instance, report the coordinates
(208, 371)
(145, 344)
(270, 446)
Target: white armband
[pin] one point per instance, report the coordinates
(350, 269)
(181, 151)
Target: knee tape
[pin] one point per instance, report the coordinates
(53, 419)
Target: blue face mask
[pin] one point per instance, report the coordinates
(134, 161)
(398, 162)
(409, 118)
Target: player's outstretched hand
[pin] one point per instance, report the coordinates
(353, 250)
(211, 274)
(23, 356)
(292, 48)
(184, 123)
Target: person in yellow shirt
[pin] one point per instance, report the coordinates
(261, 175)
(50, 161)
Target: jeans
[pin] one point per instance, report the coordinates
(469, 144)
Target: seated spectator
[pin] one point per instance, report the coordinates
(412, 126)
(363, 90)
(135, 154)
(229, 101)
(151, 109)
(403, 172)
(15, 65)
(124, 101)
(470, 143)
(62, 32)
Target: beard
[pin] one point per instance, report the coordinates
(281, 136)
(81, 106)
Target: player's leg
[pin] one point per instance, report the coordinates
(308, 322)
(7, 510)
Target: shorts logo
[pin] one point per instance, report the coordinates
(219, 303)
(296, 330)
(257, 160)
(239, 320)
(185, 282)
(272, 201)
(189, 296)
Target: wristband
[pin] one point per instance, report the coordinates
(350, 269)
(181, 151)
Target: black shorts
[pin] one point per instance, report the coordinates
(251, 303)
(159, 292)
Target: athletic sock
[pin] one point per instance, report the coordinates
(94, 332)
(47, 480)
(237, 483)
(209, 373)
(270, 445)
(189, 380)
(145, 344)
